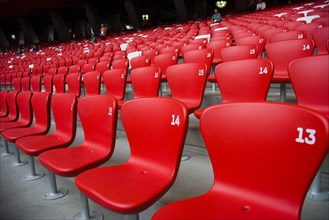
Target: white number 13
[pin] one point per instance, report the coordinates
(308, 140)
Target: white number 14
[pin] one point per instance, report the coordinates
(175, 120)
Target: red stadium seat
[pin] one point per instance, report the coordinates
(321, 36)
(239, 52)
(73, 81)
(282, 53)
(64, 113)
(310, 80)
(115, 82)
(11, 99)
(200, 56)
(288, 35)
(3, 104)
(92, 83)
(59, 83)
(187, 82)
(152, 167)
(247, 190)
(248, 84)
(48, 83)
(140, 61)
(26, 84)
(36, 83)
(98, 144)
(145, 82)
(41, 109)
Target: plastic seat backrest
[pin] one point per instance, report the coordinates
(88, 67)
(73, 81)
(41, 110)
(102, 66)
(140, 61)
(283, 52)
(36, 83)
(146, 81)
(151, 53)
(200, 56)
(92, 83)
(64, 110)
(52, 71)
(257, 40)
(239, 52)
(26, 84)
(11, 99)
(115, 82)
(63, 70)
(172, 49)
(308, 28)
(321, 36)
(310, 80)
(3, 103)
(164, 61)
(187, 83)
(251, 149)
(25, 107)
(165, 125)
(74, 68)
(48, 83)
(59, 83)
(250, 84)
(217, 47)
(193, 46)
(120, 64)
(289, 35)
(101, 137)
(17, 84)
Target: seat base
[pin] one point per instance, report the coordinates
(94, 215)
(4, 154)
(30, 177)
(51, 196)
(18, 163)
(318, 196)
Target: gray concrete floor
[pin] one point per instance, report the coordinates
(21, 199)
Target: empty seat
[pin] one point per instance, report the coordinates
(64, 112)
(321, 36)
(115, 82)
(200, 56)
(73, 81)
(41, 111)
(156, 137)
(288, 35)
(98, 144)
(12, 107)
(59, 83)
(310, 80)
(248, 84)
(239, 52)
(3, 104)
(282, 53)
(262, 138)
(36, 83)
(187, 82)
(145, 82)
(48, 83)
(92, 83)
(140, 61)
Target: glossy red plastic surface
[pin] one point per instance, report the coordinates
(310, 81)
(64, 112)
(41, 109)
(187, 83)
(156, 137)
(260, 169)
(98, 116)
(25, 112)
(12, 107)
(115, 82)
(283, 52)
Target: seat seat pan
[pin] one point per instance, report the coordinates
(107, 186)
(35, 145)
(14, 124)
(13, 134)
(71, 161)
(218, 206)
